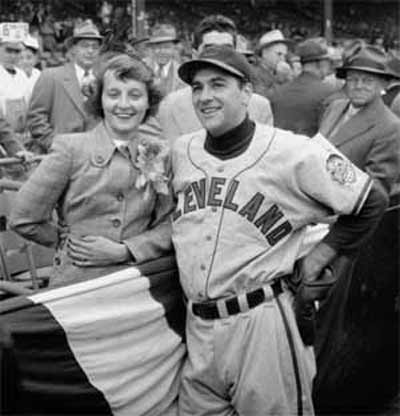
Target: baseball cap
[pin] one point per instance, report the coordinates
(220, 57)
(13, 34)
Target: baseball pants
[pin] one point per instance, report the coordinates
(250, 364)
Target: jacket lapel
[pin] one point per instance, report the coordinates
(71, 86)
(333, 117)
(357, 125)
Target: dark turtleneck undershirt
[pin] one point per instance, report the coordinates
(232, 143)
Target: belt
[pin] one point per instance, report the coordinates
(231, 306)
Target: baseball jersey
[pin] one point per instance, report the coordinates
(240, 222)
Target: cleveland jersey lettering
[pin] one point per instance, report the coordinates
(253, 209)
(221, 193)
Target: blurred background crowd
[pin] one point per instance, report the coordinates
(52, 21)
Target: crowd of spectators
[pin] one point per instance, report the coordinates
(53, 22)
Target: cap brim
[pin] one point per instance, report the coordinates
(341, 72)
(187, 70)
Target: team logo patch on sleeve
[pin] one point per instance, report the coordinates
(340, 169)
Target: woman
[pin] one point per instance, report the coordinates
(109, 185)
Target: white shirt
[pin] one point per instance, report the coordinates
(14, 97)
(80, 74)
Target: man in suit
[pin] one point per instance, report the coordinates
(176, 114)
(298, 105)
(360, 125)
(165, 66)
(368, 133)
(57, 103)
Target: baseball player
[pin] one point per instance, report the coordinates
(245, 193)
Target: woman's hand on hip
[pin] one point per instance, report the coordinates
(94, 250)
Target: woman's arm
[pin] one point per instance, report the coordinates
(156, 241)
(31, 216)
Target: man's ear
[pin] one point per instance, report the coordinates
(247, 89)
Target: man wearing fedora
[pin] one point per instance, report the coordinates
(176, 114)
(165, 66)
(57, 103)
(272, 49)
(298, 105)
(368, 133)
(360, 125)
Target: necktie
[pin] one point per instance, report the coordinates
(85, 86)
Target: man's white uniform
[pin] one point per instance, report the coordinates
(238, 227)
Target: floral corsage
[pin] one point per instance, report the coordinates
(151, 162)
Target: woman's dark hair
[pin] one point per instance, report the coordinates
(124, 67)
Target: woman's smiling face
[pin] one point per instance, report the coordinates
(124, 102)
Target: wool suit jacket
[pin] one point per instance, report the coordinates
(91, 183)
(370, 139)
(57, 107)
(298, 105)
(177, 115)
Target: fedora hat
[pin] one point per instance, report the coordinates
(366, 58)
(85, 30)
(311, 50)
(220, 57)
(163, 33)
(270, 38)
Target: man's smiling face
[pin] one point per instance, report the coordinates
(220, 99)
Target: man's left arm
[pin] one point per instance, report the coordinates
(346, 235)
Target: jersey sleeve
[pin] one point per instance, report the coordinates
(327, 176)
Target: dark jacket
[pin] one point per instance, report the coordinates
(298, 105)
